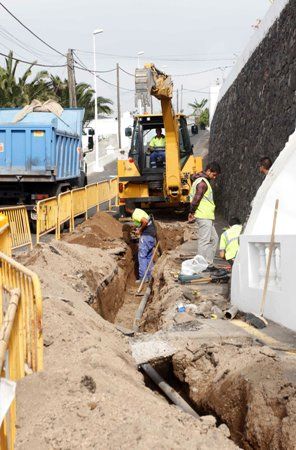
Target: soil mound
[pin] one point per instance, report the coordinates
(90, 394)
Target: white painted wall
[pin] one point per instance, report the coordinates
(108, 140)
(214, 94)
(250, 265)
(271, 16)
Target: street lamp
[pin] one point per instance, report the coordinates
(98, 168)
(139, 54)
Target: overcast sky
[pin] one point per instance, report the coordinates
(181, 37)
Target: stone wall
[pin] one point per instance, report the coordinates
(255, 116)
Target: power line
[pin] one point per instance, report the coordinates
(32, 63)
(82, 66)
(157, 58)
(97, 71)
(125, 71)
(25, 46)
(202, 71)
(30, 31)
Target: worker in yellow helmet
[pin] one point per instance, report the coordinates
(202, 211)
(146, 230)
(229, 241)
(157, 149)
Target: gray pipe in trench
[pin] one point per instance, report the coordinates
(140, 309)
(168, 390)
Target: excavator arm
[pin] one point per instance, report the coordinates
(151, 81)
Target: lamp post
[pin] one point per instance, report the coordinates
(98, 168)
(139, 101)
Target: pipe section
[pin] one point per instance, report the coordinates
(168, 390)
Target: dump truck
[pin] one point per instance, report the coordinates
(168, 184)
(40, 155)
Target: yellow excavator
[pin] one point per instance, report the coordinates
(168, 184)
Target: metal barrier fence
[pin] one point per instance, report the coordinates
(19, 225)
(5, 238)
(47, 216)
(53, 212)
(21, 342)
(64, 214)
(79, 204)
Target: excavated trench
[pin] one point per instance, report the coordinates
(249, 389)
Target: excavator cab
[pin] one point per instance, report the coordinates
(143, 131)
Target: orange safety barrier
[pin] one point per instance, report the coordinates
(113, 183)
(53, 212)
(104, 192)
(64, 211)
(47, 217)
(21, 350)
(19, 226)
(5, 238)
(78, 203)
(92, 196)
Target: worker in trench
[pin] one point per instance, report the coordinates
(202, 211)
(229, 240)
(145, 228)
(157, 148)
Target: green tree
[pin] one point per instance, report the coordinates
(15, 92)
(198, 106)
(200, 112)
(204, 118)
(84, 95)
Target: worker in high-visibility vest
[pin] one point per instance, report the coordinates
(145, 228)
(157, 148)
(202, 211)
(229, 240)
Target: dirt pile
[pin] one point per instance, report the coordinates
(161, 312)
(99, 231)
(90, 394)
(170, 234)
(250, 389)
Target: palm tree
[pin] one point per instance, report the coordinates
(84, 95)
(19, 92)
(198, 106)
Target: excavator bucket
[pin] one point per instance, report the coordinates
(151, 81)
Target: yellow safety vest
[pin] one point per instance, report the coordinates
(206, 207)
(229, 241)
(157, 142)
(138, 215)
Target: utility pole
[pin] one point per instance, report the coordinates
(118, 106)
(181, 109)
(177, 101)
(151, 104)
(71, 79)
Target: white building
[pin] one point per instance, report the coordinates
(108, 139)
(250, 265)
(214, 94)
